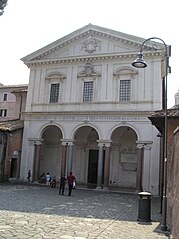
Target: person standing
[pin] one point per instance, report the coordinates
(29, 176)
(71, 178)
(48, 179)
(62, 185)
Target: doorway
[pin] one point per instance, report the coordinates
(13, 172)
(93, 167)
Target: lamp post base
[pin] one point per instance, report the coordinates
(163, 227)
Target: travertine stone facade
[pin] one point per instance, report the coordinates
(87, 111)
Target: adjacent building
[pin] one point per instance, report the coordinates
(12, 102)
(10, 106)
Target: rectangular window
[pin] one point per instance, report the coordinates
(3, 113)
(88, 91)
(125, 90)
(5, 97)
(54, 93)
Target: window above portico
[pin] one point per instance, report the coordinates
(88, 91)
(125, 90)
(54, 86)
(125, 83)
(54, 93)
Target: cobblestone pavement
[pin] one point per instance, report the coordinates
(31, 211)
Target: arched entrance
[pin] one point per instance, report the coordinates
(123, 157)
(50, 152)
(86, 155)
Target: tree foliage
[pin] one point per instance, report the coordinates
(3, 4)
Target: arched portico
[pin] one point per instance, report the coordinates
(104, 163)
(115, 162)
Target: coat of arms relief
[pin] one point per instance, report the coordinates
(91, 45)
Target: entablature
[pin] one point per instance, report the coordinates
(102, 57)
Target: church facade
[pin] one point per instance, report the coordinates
(87, 111)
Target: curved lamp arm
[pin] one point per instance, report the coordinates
(153, 38)
(140, 63)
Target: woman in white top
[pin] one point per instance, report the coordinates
(48, 179)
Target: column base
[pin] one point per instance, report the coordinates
(106, 189)
(98, 188)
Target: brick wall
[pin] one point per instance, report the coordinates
(173, 177)
(14, 144)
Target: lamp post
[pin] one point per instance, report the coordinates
(140, 63)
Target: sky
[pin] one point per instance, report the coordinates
(28, 25)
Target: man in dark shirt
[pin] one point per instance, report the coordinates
(62, 185)
(70, 179)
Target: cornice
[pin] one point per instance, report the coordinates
(93, 103)
(91, 113)
(101, 57)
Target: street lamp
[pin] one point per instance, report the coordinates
(140, 63)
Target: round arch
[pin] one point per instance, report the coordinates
(123, 125)
(85, 155)
(47, 126)
(73, 133)
(124, 155)
(50, 150)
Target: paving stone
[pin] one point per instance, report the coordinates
(35, 212)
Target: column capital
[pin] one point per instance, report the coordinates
(69, 142)
(35, 141)
(148, 147)
(106, 143)
(144, 144)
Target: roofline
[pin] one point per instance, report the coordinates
(13, 86)
(86, 28)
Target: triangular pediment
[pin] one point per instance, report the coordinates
(89, 40)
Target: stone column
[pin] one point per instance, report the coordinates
(37, 161)
(70, 157)
(106, 166)
(33, 158)
(143, 166)
(100, 166)
(147, 168)
(140, 157)
(63, 159)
